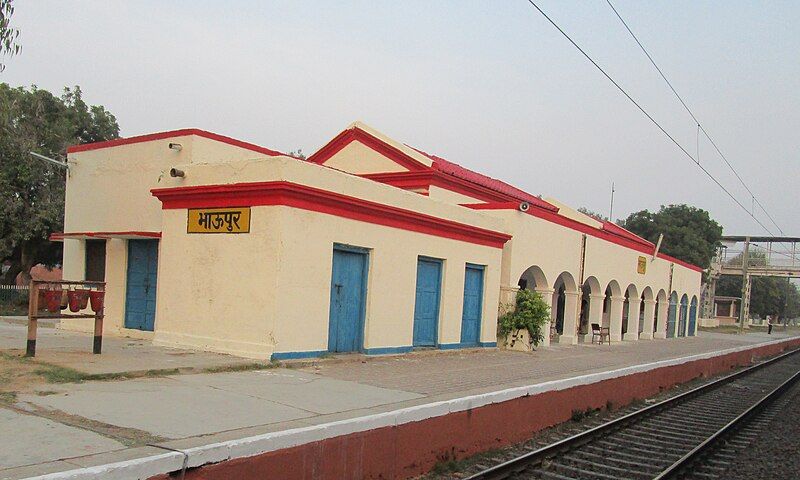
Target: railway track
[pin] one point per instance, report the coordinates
(692, 435)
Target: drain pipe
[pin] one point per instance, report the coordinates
(185, 457)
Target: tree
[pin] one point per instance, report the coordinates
(32, 191)
(8, 35)
(597, 216)
(298, 154)
(690, 234)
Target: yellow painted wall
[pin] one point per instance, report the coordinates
(445, 195)
(360, 159)
(556, 249)
(108, 190)
(252, 294)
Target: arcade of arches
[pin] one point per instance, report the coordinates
(630, 314)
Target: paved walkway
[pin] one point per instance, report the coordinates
(74, 350)
(113, 421)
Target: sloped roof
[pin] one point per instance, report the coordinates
(615, 229)
(449, 168)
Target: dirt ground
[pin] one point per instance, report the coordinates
(18, 375)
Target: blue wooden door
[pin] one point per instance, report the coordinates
(473, 305)
(140, 296)
(692, 318)
(671, 317)
(348, 295)
(426, 305)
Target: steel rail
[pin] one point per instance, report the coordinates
(679, 467)
(523, 462)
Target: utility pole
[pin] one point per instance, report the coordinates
(611, 210)
(744, 312)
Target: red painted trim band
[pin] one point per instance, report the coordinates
(172, 134)
(424, 180)
(60, 236)
(323, 201)
(583, 228)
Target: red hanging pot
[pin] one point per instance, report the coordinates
(96, 298)
(42, 299)
(83, 296)
(74, 300)
(52, 298)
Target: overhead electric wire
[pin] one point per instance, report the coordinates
(653, 120)
(699, 125)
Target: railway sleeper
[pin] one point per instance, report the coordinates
(652, 457)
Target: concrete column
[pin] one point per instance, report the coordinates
(634, 306)
(661, 321)
(649, 316)
(508, 295)
(547, 296)
(615, 318)
(570, 319)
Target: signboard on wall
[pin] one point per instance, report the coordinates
(641, 265)
(218, 220)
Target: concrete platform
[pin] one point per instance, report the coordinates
(74, 350)
(273, 415)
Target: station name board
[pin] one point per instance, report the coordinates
(641, 266)
(218, 220)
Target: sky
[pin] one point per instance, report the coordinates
(487, 84)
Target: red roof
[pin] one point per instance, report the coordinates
(450, 168)
(615, 229)
(171, 134)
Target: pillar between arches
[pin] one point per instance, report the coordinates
(570, 335)
(615, 318)
(547, 296)
(661, 321)
(632, 333)
(649, 316)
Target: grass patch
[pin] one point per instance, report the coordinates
(8, 397)
(448, 466)
(245, 367)
(56, 374)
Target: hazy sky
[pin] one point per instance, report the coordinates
(487, 84)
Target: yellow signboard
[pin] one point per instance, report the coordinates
(218, 220)
(642, 265)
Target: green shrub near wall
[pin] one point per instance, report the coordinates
(530, 313)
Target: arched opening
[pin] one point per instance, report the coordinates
(591, 308)
(661, 315)
(683, 315)
(693, 317)
(672, 314)
(565, 292)
(630, 313)
(647, 314)
(533, 279)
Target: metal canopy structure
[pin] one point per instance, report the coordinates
(760, 256)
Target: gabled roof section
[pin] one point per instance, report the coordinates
(401, 154)
(424, 169)
(172, 134)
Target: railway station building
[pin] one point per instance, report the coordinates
(369, 246)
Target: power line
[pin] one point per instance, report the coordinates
(653, 120)
(699, 125)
